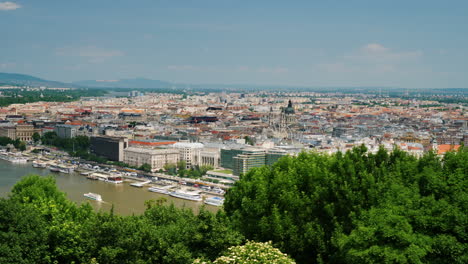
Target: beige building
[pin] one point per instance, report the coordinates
(157, 158)
(22, 132)
(210, 157)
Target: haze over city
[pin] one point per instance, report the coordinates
(409, 44)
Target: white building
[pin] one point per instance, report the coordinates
(210, 157)
(157, 158)
(189, 152)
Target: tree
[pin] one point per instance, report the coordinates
(357, 207)
(181, 167)
(36, 137)
(145, 167)
(170, 168)
(249, 140)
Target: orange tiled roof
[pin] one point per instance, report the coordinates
(441, 149)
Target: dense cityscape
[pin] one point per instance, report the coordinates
(233, 132)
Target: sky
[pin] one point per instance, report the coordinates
(316, 43)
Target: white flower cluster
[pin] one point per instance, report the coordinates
(252, 252)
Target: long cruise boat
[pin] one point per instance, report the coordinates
(216, 201)
(163, 190)
(192, 196)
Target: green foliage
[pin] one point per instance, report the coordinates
(357, 207)
(181, 168)
(170, 168)
(353, 207)
(249, 140)
(145, 167)
(36, 137)
(16, 96)
(39, 225)
(21, 145)
(197, 172)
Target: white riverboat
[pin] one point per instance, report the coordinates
(192, 196)
(18, 160)
(216, 201)
(93, 196)
(39, 164)
(54, 168)
(64, 169)
(139, 184)
(163, 189)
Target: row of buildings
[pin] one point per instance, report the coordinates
(239, 131)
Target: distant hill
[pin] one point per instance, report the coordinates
(28, 80)
(125, 83)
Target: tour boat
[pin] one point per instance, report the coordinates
(114, 179)
(54, 168)
(93, 196)
(192, 196)
(66, 169)
(139, 184)
(163, 190)
(39, 164)
(216, 201)
(18, 160)
(92, 177)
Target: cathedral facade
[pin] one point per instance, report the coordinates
(282, 122)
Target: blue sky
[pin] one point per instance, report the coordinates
(411, 43)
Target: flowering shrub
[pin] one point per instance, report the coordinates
(252, 252)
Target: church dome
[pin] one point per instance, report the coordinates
(289, 109)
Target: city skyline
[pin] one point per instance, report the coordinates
(399, 44)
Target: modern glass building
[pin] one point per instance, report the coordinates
(243, 159)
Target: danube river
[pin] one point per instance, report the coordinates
(126, 199)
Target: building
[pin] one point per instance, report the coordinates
(250, 158)
(189, 152)
(8, 131)
(210, 157)
(242, 160)
(273, 155)
(281, 123)
(20, 131)
(24, 132)
(66, 131)
(227, 157)
(156, 158)
(111, 148)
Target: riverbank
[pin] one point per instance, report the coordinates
(127, 200)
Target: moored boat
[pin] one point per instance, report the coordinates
(93, 196)
(39, 164)
(192, 196)
(114, 179)
(163, 189)
(216, 201)
(54, 168)
(139, 184)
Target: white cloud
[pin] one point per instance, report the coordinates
(372, 58)
(93, 54)
(7, 65)
(273, 70)
(6, 6)
(374, 47)
(374, 52)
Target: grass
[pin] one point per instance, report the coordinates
(224, 171)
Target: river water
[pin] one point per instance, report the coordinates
(127, 200)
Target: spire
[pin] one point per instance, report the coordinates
(290, 103)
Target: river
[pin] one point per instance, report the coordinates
(127, 200)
